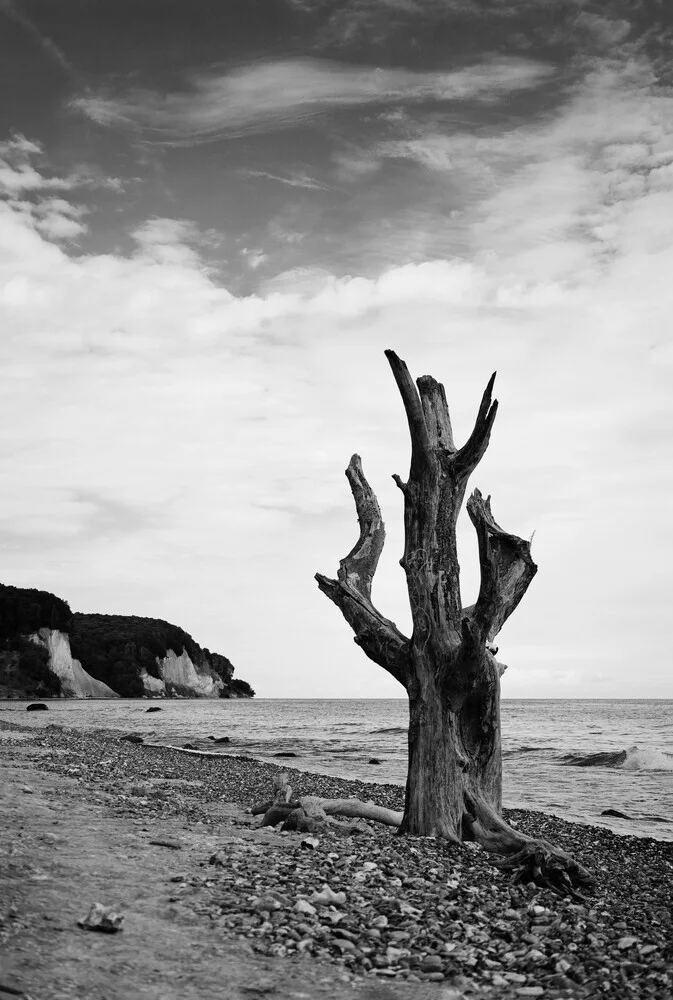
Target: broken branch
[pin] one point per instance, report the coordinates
(507, 569)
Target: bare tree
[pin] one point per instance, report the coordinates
(448, 666)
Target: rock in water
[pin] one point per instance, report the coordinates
(615, 812)
(101, 919)
(219, 739)
(133, 738)
(374, 760)
(36, 707)
(285, 753)
(154, 708)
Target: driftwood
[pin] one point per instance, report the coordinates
(351, 808)
(311, 811)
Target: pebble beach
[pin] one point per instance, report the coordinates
(375, 906)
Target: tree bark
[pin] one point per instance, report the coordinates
(447, 666)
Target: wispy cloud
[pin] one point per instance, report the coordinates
(285, 94)
(298, 179)
(13, 9)
(22, 172)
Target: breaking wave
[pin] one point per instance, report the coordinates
(632, 759)
(391, 729)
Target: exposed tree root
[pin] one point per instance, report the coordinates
(547, 866)
(529, 859)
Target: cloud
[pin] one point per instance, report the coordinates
(19, 174)
(286, 94)
(12, 9)
(59, 219)
(295, 180)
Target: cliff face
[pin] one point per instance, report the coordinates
(179, 676)
(75, 681)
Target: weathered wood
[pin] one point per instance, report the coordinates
(506, 569)
(312, 805)
(380, 638)
(448, 666)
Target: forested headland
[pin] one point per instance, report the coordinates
(115, 649)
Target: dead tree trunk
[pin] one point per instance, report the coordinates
(448, 666)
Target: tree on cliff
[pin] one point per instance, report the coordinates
(447, 666)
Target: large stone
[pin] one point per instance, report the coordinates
(100, 918)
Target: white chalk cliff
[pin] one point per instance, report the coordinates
(180, 672)
(75, 681)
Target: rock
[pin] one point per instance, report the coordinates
(343, 944)
(101, 919)
(219, 739)
(37, 706)
(514, 977)
(432, 963)
(303, 906)
(265, 903)
(154, 708)
(133, 738)
(615, 812)
(285, 753)
(530, 991)
(626, 942)
(189, 746)
(374, 760)
(326, 897)
(647, 949)
(27, 790)
(173, 844)
(310, 842)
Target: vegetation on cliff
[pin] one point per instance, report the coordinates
(112, 648)
(116, 648)
(25, 611)
(24, 666)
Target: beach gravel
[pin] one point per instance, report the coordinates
(381, 906)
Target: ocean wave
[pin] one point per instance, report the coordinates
(633, 759)
(526, 749)
(391, 729)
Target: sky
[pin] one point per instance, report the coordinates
(214, 218)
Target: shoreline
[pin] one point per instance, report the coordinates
(634, 798)
(416, 912)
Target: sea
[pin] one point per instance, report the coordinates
(571, 758)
